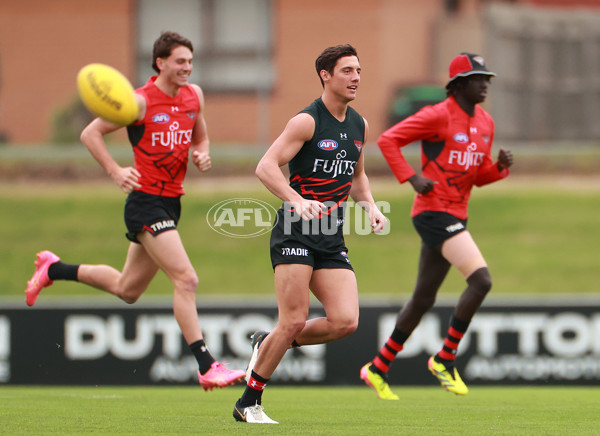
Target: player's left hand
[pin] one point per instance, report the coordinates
(505, 159)
(201, 160)
(378, 220)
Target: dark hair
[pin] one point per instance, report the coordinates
(455, 85)
(329, 57)
(165, 44)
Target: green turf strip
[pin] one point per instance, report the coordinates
(537, 237)
(301, 411)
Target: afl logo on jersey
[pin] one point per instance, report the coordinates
(461, 138)
(328, 145)
(161, 118)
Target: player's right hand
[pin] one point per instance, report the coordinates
(308, 209)
(421, 184)
(127, 178)
(378, 220)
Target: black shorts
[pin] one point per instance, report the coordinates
(152, 213)
(435, 227)
(291, 245)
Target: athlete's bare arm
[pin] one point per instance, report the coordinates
(200, 146)
(361, 191)
(298, 130)
(93, 138)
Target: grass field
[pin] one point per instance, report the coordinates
(539, 236)
(301, 411)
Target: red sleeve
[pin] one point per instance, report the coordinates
(422, 125)
(488, 171)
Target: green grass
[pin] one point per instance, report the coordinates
(301, 411)
(539, 236)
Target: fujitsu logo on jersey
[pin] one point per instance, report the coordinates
(171, 138)
(334, 167)
(467, 159)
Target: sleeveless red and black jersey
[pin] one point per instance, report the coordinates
(324, 167)
(161, 141)
(455, 152)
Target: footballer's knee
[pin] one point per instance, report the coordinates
(292, 328)
(129, 293)
(129, 300)
(130, 296)
(346, 328)
(186, 281)
(480, 281)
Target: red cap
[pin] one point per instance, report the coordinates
(467, 64)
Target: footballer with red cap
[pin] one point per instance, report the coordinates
(456, 142)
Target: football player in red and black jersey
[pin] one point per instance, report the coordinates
(456, 142)
(323, 146)
(169, 128)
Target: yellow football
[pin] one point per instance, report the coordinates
(107, 94)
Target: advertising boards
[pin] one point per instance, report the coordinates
(507, 343)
